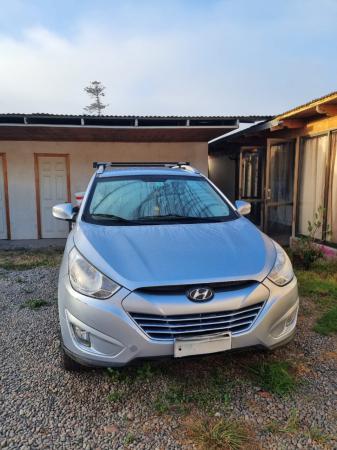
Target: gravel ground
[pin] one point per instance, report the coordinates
(44, 407)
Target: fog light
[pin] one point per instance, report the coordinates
(81, 335)
(291, 319)
(285, 325)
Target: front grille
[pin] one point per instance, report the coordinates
(182, 288)
(170, 327)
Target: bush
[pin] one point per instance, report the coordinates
(305, 250)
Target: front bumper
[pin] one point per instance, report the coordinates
(116, 339)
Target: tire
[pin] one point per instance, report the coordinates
(69, 364)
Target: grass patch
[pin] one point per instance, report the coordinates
(115, 396)
(317, 435)
(129, 438)
(327, 323)
(220, 435)
(132, 374)
(33, 304)
(29, 259)
(321, 290)
(146, 371)
(174, 398)
(292, 425)
(274, 377)
(320, 284)
(211, 393)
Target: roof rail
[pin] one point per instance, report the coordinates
(101, 166)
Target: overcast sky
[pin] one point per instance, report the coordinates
(167, 57)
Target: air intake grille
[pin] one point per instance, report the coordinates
(170, 327)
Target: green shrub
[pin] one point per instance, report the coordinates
(305, 251)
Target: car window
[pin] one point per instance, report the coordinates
(155, 199)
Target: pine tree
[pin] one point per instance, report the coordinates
(96, 91)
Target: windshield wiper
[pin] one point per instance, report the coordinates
(166, 216)
(111, 216)
(178, 216)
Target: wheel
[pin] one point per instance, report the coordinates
(69, 364)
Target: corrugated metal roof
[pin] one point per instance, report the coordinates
(305, 110)
(233, 137)
(217, 124)
(314, 102)
(249, 118)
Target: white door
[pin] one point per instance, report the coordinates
(3, 221)
(53, 190)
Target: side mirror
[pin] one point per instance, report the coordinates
(244, 208)
(64, 211)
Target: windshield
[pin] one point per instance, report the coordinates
(155, 199)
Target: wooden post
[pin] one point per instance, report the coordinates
(295, 187)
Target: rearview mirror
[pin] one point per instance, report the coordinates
(244, 208)
(64, 211)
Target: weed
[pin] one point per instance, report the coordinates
(180, 396)
(219, 435)
(129, 438)
(273, 426)
(114, 374)
(317, 435)
(274, 377)
(305, 251)
(161, 405)
(28, 290)
(121, 375)
(33, 304)
(114, 396)
(173, 398)
(145, 371)
(327, 323)
(292, 425)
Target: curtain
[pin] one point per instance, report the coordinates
(332, 200)
(312, 181)
(282, 172)
(281, 183)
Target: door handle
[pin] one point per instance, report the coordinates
(268, 194)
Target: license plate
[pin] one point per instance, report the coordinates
(202, 345)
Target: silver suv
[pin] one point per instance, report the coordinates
(160, 263)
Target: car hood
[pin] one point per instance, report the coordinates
(171, 254)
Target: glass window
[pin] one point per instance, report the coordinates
(251, 174)
(313, 159)
(152, 198)
(332, 200)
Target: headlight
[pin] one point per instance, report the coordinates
(282, 272)
(87, 280)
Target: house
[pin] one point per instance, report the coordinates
(286, 167)
(45, 158)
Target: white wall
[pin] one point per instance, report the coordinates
(21, 175)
